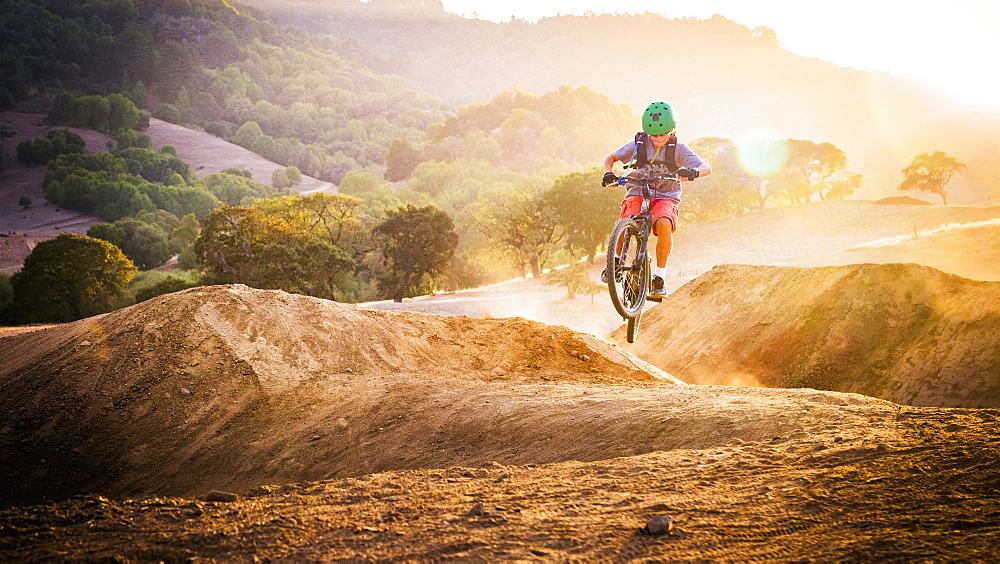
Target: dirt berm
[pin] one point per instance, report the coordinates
(902, 332)
(233, 387)
(358, 435)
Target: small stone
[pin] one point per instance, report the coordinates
(186, 391)
(659, 525)
(222, 497)
(476, 510)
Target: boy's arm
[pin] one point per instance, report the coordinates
(609, 162)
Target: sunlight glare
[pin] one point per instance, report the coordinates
(762, 156)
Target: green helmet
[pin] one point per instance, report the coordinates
(658, 119)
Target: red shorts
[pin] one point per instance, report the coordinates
(658, 208)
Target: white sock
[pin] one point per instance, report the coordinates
(661, 272)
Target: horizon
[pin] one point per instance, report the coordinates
(948, 50)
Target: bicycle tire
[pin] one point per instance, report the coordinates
(628, 282)
(633, 328)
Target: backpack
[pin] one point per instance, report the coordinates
(641, 160)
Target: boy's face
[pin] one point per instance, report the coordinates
(660, 140)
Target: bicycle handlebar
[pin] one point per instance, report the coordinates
(622, 180)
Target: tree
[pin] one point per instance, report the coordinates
(24, 202)
(810, 169)
(70, 277)
(44, 149)
(418, 243)
(247, 134)
(279, 179)
(521, 225)
(144, 244)
(729, 190)
(401, 158)
(185, 233)
(294, 176)
(576, 280)
(584, 209)
(6, 295)
(930, 172)
(123, 113)
(263, 250)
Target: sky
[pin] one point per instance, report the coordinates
(954, 45)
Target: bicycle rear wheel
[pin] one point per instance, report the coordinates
(629, 278)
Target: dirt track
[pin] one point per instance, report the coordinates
(924, 491)
(362, 435)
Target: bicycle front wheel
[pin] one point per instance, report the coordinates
(628, 277)
(633, 328)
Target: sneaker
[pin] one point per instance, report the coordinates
(656, 289)
(604, 273)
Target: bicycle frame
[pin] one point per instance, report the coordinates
(629, 274)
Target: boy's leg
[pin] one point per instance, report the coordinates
(664, 241)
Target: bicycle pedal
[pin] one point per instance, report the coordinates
(654, 299)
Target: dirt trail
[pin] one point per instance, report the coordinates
(353, 434)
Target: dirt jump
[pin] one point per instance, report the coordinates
(907, 333)
(232, 424)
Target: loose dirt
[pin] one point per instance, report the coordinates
(233, 424)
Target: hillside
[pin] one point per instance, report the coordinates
(744, 82)
(21, 229)
(353, 434)
(205, 153)
(902, 332)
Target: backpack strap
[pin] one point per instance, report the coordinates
(670, 153)
(640, 160)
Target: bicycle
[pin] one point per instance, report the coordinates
(628, 263)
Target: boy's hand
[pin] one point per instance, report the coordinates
(687, 173)
(609, 179)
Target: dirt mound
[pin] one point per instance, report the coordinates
(903, 201)
(902, 332)
(355, 434)
(232, 387)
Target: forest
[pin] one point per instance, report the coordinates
(499, 181)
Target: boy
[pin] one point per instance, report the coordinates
(655, 151)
